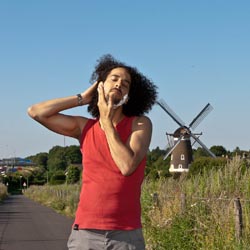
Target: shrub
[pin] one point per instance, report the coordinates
(73, 174)
(57, 178)
(202, 164)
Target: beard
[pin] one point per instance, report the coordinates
(115, 100)
(113, 97)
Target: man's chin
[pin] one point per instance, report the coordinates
(115, 99)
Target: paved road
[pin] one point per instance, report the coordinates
(27, 225)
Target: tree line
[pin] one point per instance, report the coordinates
(64, 164)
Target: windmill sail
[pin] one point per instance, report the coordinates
(171, 113)
(203, 145)
(170, 150)
(204, 112)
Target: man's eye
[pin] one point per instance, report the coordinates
(125, 85)
(114, 79)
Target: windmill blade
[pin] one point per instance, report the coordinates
(172, 149)
(203, 145)
(195, 140)
(171, 113)
(168, 153)
(169, 145)
(204, 112)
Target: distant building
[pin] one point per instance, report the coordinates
(3, 170)
(16, 162)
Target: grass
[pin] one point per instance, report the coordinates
(186, 213)
(3, 192)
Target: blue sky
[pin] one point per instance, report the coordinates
(195, 51)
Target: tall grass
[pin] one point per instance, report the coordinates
(63, 198)
(206, 222)
(3, 191)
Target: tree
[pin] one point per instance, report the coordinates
(202, 164)
(218, 150)
(39, 159)
(153, 155)
(73, 174)
(156, 166)
(58, 177)
(73, 154)
(237, 151)
(199, 152)
(57, 159)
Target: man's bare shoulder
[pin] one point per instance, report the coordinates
(142, 121)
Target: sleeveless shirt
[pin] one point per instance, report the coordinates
(108, 200)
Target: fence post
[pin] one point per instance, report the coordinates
(183, 203)
(156, 200)
(238, 218)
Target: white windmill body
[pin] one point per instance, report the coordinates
(181, 148)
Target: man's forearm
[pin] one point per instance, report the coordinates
(121, 153)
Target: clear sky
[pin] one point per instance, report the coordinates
(195, 51)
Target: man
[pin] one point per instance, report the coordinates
(114, 147)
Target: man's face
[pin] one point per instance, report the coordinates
(117, 85)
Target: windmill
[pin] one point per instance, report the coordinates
(180, 146)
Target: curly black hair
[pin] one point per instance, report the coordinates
(142, 93)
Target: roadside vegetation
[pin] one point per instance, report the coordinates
(3, 192)
(194, 210)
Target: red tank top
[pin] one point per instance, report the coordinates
(108, 200)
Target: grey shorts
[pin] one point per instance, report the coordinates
(92, 239)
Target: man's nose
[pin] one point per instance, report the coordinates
(118, 84)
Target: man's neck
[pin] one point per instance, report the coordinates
(118, 116)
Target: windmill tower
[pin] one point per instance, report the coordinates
(180, 146)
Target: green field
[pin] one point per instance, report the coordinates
(189, 212)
